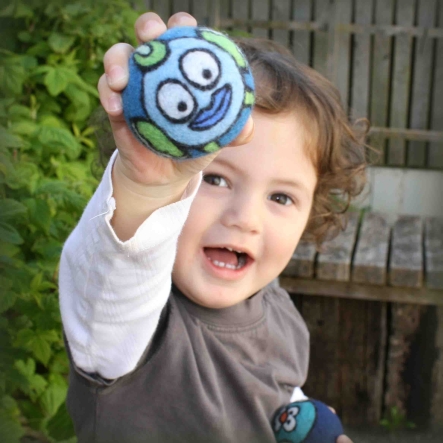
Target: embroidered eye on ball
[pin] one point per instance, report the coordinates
(190, 92)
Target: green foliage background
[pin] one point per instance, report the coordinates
(51, 55)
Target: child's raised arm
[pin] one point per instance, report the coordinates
(115, 269)
(142, 180)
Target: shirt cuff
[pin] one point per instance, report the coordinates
(148, 231)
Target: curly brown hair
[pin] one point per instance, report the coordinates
(337, 148)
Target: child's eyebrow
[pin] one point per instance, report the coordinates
(227, 163)
(293, 183)
(278, 181)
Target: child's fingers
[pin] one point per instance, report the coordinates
(181, 19)
(245, 135)
(110, 100)
(149, 26)
(116, 65)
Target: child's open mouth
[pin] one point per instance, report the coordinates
(227, 258)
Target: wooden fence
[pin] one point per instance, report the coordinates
(385, 57)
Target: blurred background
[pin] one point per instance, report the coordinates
(386, 59)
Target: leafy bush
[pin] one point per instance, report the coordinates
(51, 55)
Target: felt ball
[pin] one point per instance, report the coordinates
(190, 92)
(306, 421)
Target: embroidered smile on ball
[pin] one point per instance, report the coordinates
(190, 92)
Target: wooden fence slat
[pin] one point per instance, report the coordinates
(434, 253)
(421, 88)
(401, 82)
(371, 255)
(406, 264)
(281, 10)
(405, 321)
(322, 12)
(301, 40)
(339, 63)
(323, 320)
(361, 61)
(302, 261)
(240, 10)
(435, 153)
(357, 291)
(335, 262)
(260, 11)
(376, 349)
(381, 68)
(161, 8)
(351, 333)
(224, 13)
(200, 9)
(345, 28)
(181, 6)
(361, 348)
(214, 13)
(408, 134)
(437, 374)
(348, 345)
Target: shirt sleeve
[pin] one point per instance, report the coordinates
(112, 292)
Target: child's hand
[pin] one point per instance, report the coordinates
(137, 164)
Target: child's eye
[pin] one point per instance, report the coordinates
(215, 180)
(281, 199)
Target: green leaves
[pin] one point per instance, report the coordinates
(48, 91)
(56, 79)
(8, 234)
(60, 139)
(54, 395)
(60, 43)
(10, 427)
(37, 342)
(12, 74)
(10, 208)
(33, 384)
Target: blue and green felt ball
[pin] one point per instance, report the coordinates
(306, 421)
(190, 92)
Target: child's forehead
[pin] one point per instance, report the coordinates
(278, 151)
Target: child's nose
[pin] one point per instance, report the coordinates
(243, 213)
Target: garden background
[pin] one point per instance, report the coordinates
(383, 55)
(51, 54)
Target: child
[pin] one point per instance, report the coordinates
(214, 357)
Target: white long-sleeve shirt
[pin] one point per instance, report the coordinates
(112, 292)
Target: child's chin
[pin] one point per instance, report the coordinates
(216, 297)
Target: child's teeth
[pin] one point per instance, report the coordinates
(220, 264)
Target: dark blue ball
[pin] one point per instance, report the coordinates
(307, 421)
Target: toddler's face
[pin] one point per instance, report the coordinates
(254, 199)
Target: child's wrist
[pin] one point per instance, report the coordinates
(135, 202)
(145, 191)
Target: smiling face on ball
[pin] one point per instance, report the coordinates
(196, 100)
(196, 90)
